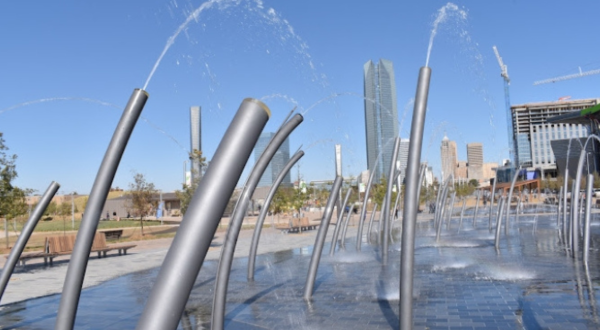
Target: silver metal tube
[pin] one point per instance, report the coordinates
(451, 209)
(265, 209)
(560, 209)
(67, 309)
(410, 200)
(338, 223)
(371, 222)
(17, 249)
(343, 243)
(476, 210)
(442, 212)
(421, 178)
(462, 212)
(509, 199)
(191, 243)
(575, 202)
(386, 205)
(588, 211)
(237, 218)
(564, 201)
(492, 200)
(363, 211)
(499, 222)
(320, 240)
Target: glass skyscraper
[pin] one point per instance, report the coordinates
(282, 156)
(381, 115)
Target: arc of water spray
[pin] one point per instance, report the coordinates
(103, 103)
(235, 224)
(265, 209)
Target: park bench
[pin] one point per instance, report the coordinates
(296, 225)
(112, 233)
(56, 246)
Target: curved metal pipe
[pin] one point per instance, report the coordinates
(235, 223)
(462, 212)
(442, 212)
(492, 200)
(499, 222)
(421, 177)
(410, 200)
(371, 222)
(265, 209)
(451, 209)
(588, 209)
(388, 200)
(71, 292)
(338, 222)
(509, 200)
(363, 210)
(476, 210)
(184, 259)
(320, 240)
(17, 250)
(343, 243)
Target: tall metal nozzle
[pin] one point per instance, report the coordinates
(411, 199)
(184, 259)
(85, 236)
(16, 251)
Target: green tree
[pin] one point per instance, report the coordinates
(142, 197)
(187, 192)
(8, 173)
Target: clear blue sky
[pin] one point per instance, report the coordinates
(284, 52)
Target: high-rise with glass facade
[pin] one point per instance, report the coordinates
(281, 157)
(381, 115)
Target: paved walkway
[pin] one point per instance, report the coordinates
(36, 280)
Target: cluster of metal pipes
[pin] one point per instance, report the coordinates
(568, 216)
(186, 254)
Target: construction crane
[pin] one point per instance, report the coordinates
(509, 125)
(571, 76)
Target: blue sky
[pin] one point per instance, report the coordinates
(75, 64)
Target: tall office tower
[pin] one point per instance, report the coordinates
(381, 115)
(195, 141)
(281, 157)
(403, 158)
(532, 117)
(475, 160)
(338, 160)
(449, 158)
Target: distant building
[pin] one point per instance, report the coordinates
(281, 157)
(475, 161)
(403, 158)
(381, 115)
(531, 119)
(449, 158)
(489, 171)
(460, 173)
